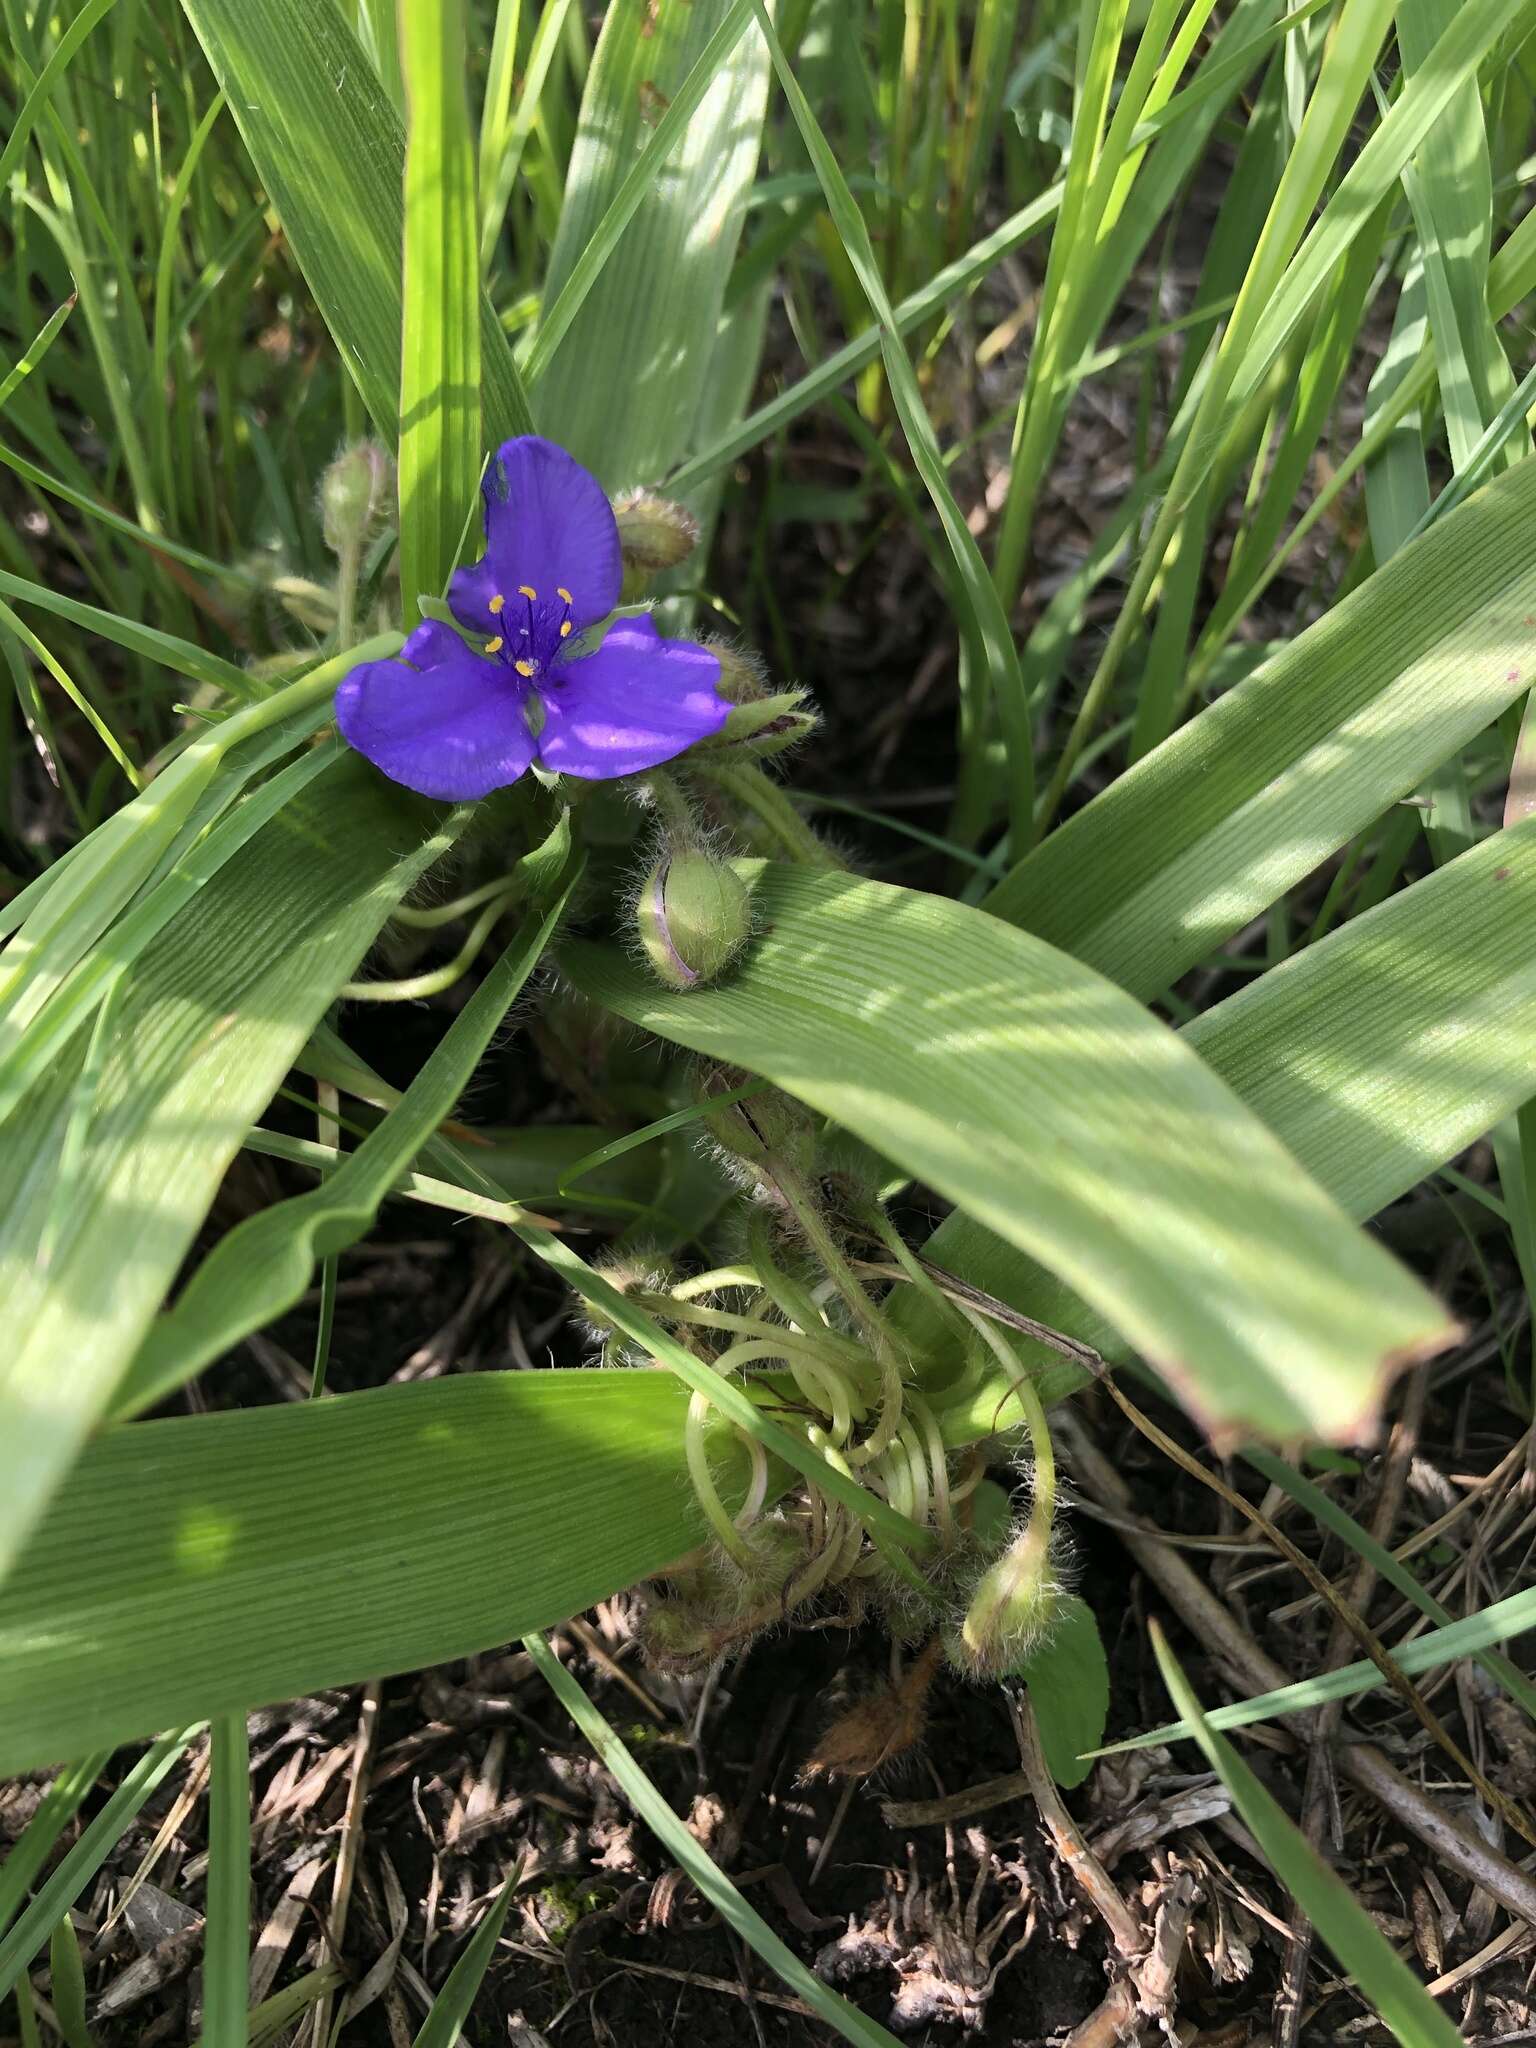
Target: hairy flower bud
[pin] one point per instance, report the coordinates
(654, 532)
(1011, 1611)
(354, 492)
(693, 916)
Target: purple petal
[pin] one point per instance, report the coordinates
(451, 725)
(637, 701)
(549, 526)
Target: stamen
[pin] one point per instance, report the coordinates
(525, 668)
(496, 603)
(562, 592)
(526, 590)
(494, 646)
(565, 627)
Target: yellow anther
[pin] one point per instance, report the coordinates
(495, 646)
(565, 627)
(496, 603)
(525, 668)
(526, 590)
(563, 594)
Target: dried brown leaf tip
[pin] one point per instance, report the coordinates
(881, 1726)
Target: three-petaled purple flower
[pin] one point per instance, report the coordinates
(454, 724)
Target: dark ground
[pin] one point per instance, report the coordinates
(442, 1782)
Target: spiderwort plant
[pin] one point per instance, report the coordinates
(456, 717)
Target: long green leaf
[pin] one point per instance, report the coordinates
(440, 443)
(1381, 1976)
(985, 621)
(1234, 809)
(208, 1020)
(326, 140)
(647, 326)
(227, 1938)
(560, 1486)
(1374, 1056)
(1033, 1094)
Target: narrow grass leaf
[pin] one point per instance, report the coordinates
(984, 620)
(36, 349)
(1327, 1512)
(263, 1266)
(450, 2008)
(440, 437)
(75, 1869)
(66, 1973)
(227, 1934)
(710, 1879)
(1380, 1976)
(327, 142)
(57, 1808)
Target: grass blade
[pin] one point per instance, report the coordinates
(1381, 1977)
(227, 1937)
(326, 140)
(450, 2008)
(74, 1871)
(264, 1265)
(712, 1882)
(984, 620)
(440, 439)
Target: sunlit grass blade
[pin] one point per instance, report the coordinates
(212, 1015)
(1326, 1511)
(1500, 1623)
(326, 140)
(182, 657)
(665, 136)
(1382, 1978)
(1251, 795)
(60, 57)
(984, 620)
(1050, 1106)
(567, 1485)
(440, 440)
(647, 324)
(85, 1856)
(227, 1936)
(36, 349)
(712, 1882)
(504, 133)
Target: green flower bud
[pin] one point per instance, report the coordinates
(654, 533)
(1011, 1611)
(693, 916)
(353, 494)
(743, 673)
(765, 727)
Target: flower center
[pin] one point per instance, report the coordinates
(535, 628)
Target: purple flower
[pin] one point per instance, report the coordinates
(455, 724)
